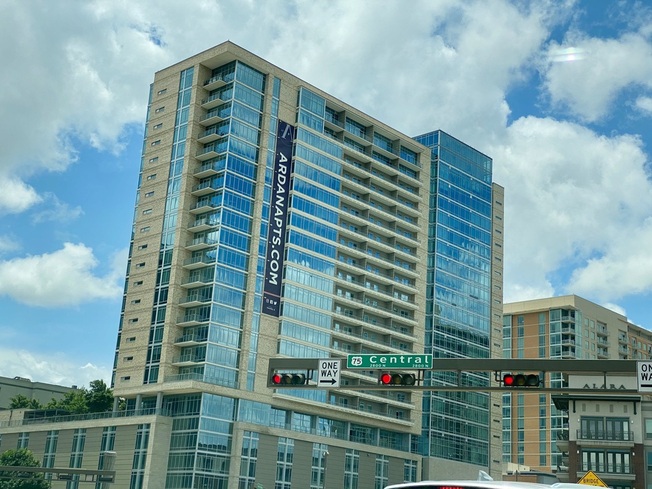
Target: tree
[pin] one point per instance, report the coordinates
(73, 401)
(97, 399)
(20, 401)
(21, 457)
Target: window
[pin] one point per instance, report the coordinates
(50, 450)
(152, 176)
(284, 459)
(131, 339)
(145, 229)
(158, 126)
(23, 440)
(154, 159)
(155, 143)
(159, 110)
(125, 378)
(133, 320)
(140, 457)
(139, 282)
(106, 445)
(140, 265)
(161, 92)
(76, 455)
(149, 194)
(249, 459)
(142, 247)
(136, 301)
(147, 212)
(648, 428)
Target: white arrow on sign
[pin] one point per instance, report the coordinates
(329, 373)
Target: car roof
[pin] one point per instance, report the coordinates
(476, 484)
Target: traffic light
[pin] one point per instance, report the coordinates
(394, 378)
(521, 380)
(288, 379)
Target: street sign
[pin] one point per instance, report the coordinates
(328, 373)
(591, 479)
(386, 361)
(644, 375)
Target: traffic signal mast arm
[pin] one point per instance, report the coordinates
(459, 365)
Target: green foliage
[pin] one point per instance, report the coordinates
(23, 402)
(98, 398)
(21, 457)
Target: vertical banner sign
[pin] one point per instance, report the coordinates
(278, 212)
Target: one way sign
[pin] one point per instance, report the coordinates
(644, 370)
(329, 373)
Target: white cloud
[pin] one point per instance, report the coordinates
(644, 104)
(56, 368)
(625, 268)
(15, 195)
(62, 278)
(571, 196)
(570, 193)
(8, 243)
(615, 308)
(57, 211)
(589, 84)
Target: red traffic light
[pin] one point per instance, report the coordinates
(521, 380)
(288, 379)
(390, 378)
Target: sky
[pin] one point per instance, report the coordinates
(557, 92)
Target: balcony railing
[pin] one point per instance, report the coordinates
(605, 435)
(85, 417)
(606, 468)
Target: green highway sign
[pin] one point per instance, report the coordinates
(387, 361)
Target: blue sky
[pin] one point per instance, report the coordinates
(558, 93)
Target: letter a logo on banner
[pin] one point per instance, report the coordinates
(278, 211)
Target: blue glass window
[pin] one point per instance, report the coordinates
(312, 102)
(318, 159)
(319, 142)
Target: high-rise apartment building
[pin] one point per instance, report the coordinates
(566, 327)
(274, 220)
(463, 304)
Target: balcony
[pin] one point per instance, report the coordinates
(192, 319)
(212, 102)
(211, 135)
(196, 262)
(190, 340)
(188, 360)
(206, 188)
(608, 471)
(210, 168)
(562, 441)
(214, 83)
(198, 281)
(203, 206)
(201, 243)
(203, 224)
(612, 437)
(211, 117)
(194, 300)
(212, 150)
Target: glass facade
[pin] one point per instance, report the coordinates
(360, 275)
(458, 300)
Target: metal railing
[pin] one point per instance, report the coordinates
(605, 435)
(84, 417)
